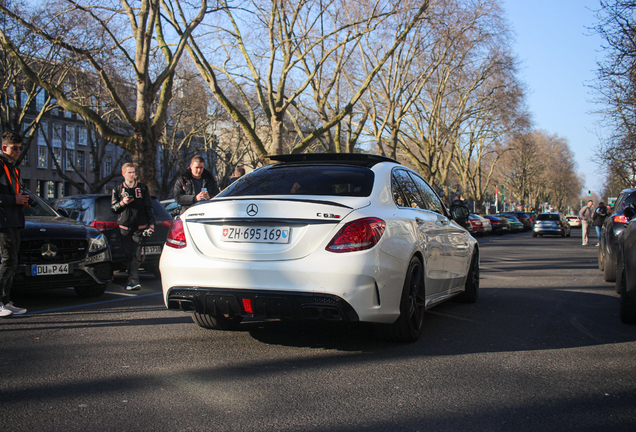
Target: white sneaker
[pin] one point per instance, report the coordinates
(4, 312)
(16, 310)
(133, 287)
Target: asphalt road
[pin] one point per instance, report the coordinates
(542, 350)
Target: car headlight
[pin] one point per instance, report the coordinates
(97, 243)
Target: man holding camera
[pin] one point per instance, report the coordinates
(132, 201)
(12, 202)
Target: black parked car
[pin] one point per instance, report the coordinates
(522, 217)
(626, 268)
(94, 210)
(499, 224)
(57, 252)
(614, 224)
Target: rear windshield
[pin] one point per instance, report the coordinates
(549, 217)
(304, 180)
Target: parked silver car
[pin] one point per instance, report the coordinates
(551, 223)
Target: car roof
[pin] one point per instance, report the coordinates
(358, 159)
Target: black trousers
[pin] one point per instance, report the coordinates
(9, 248)
(133, 245)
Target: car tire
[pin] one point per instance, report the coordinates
(471, 289)
(628, 305)
(408, 327)
(90, 291)
(601, 267)
(216, 323)
(609, 270)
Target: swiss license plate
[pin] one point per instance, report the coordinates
(152, 250)
(49, 269)
(258, 234)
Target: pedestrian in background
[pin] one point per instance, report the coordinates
(599, 217)
(131, 200)
(194, 185)
(586, 214)
(238, 173)
(12, 203)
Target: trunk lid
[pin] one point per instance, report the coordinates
(263, 229)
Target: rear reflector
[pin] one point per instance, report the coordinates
(247, 305)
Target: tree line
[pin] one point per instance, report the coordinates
(431, 83)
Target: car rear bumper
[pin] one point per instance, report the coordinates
(266, 305)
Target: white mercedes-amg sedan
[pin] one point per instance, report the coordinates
(334, 237)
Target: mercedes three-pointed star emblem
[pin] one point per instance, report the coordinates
(48, 250)
(252, 209)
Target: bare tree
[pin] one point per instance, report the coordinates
(616, 88)
(122, 44)
(268, 49)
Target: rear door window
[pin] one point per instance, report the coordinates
(403, 181)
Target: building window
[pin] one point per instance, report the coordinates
(70, 155)
(50, 190)
(67, 114)
(108, 165)
(40, 99)
(11, 96)
(43, 133)
(83, 136)
(57, 156)
(43, 156)
(24, 97)
(92, 161)
(80, 161)
(70, 137)
(25, 159)
(57, 135)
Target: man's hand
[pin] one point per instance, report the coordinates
(202, 196)
(22, 199)
(127, 200)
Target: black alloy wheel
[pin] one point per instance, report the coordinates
(408, 327)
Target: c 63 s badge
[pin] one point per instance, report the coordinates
(328, 215)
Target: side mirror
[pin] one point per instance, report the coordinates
(629, 212)
(459, 212)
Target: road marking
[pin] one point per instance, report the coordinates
(120, 293)
(89, 304)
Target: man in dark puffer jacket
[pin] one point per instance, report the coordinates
(194, 185)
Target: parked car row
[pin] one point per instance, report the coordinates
(75, 242)
(617, 252)
(500, 224)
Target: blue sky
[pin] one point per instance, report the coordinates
(558, 60)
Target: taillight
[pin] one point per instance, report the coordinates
(620, 218)
(104, 225)
(167, 223)
(176, 236)
(358, 235)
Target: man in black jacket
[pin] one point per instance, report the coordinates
(194, 185)
(12, 202)
(132, 201)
